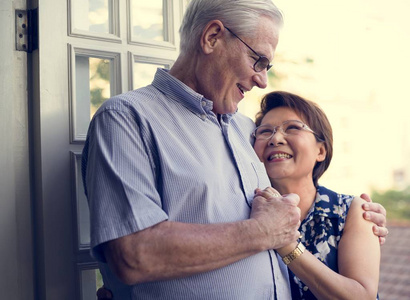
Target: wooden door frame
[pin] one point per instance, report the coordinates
(16, 256)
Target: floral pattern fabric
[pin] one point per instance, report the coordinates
(321, 231)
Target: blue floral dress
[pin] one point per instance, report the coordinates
(321, 231)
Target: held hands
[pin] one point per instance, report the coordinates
(376, 213)
(278, 216)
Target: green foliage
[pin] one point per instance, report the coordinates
(96, 97)
(274, 78)
(397, 203)
(98, 279)
(103, 70)
(100, 81)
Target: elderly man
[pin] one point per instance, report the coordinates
(170, 172)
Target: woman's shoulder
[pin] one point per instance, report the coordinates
(356, 204)
(325, 191)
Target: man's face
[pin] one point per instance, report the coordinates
(233, 73)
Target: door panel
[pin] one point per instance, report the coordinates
(88, 51)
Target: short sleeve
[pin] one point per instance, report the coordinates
(119, 178)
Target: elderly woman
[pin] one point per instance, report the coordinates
(294, 139)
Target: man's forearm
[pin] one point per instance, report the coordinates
(170, 249)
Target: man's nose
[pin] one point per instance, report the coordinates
(261, 79)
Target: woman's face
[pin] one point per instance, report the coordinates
(291, 157)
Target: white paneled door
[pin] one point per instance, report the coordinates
(89, 50)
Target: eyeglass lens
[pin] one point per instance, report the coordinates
(290, 127)
(261, 64)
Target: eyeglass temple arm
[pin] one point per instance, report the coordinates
(242, 41)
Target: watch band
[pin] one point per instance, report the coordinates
(300, 248)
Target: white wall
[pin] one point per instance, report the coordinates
(16, 270)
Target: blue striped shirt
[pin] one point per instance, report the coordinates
(159, 153)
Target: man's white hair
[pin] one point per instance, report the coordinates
(242, 16)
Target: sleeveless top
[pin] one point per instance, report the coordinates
(321, 231)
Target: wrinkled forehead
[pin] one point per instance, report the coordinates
(265, 38)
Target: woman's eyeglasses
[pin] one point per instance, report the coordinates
(290, 127)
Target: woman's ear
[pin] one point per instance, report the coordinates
(211, 36)
(321, 156)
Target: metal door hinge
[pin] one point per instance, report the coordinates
(27, 30)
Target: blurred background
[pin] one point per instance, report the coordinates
(352, 57)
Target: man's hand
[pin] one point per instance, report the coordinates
(376, 213)
(278, 216)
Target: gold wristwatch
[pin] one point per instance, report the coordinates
(300, 248)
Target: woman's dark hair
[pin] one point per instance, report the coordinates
(311, 114)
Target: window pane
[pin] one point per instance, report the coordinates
(83, 212)
(144, 74)
(92, 15)
(147, 20)
(100, 89)
(91, 281)
(92, 88)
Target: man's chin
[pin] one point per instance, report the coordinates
(224, 111)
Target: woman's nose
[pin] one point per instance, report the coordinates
(277, 138)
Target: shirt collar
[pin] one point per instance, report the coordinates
(180, 92)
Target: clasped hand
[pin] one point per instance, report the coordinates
(278, 216)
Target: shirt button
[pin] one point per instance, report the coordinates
(203, 117)
(203, 103)
(305, 288)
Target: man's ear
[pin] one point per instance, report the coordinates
(211, 36)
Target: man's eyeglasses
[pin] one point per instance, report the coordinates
(290, 127)
(261, 63)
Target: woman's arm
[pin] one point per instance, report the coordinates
(358, 259)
